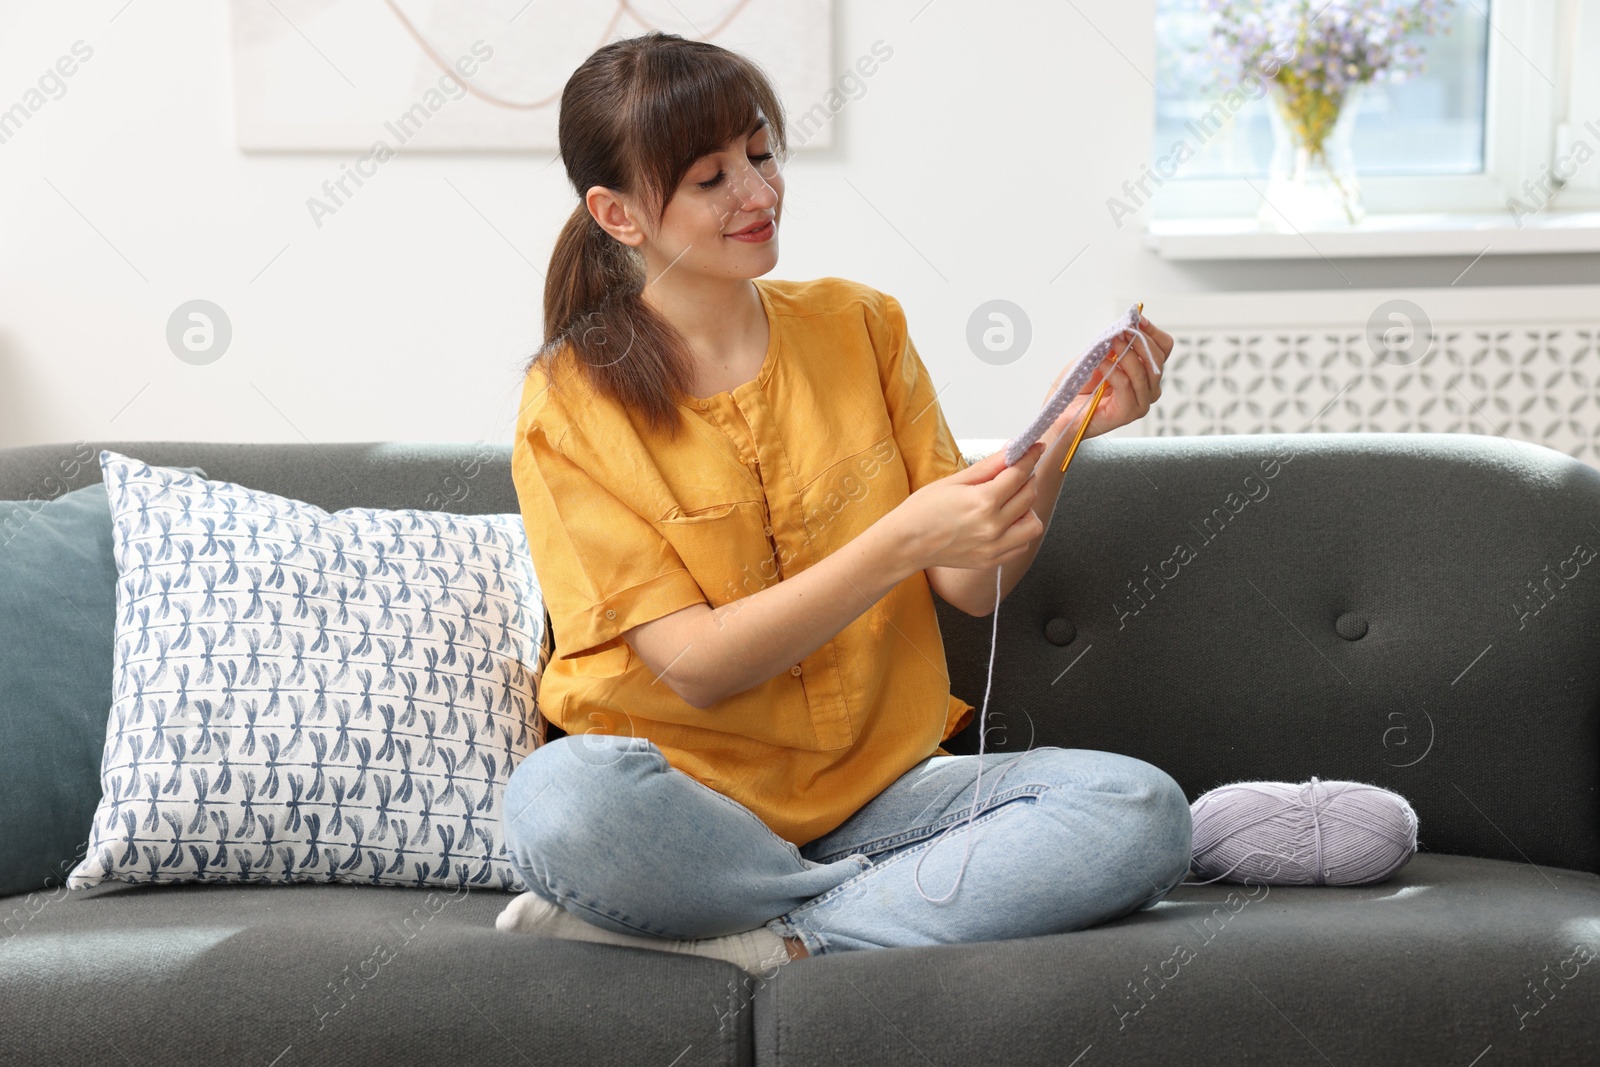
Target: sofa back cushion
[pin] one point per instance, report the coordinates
(1416, 611)
(467, 479)
(1446, 576)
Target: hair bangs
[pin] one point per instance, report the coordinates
(689, 106)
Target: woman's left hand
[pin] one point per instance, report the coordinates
(1132, 388)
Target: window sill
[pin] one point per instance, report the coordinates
(1437, 234)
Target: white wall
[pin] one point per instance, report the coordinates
(990, 140)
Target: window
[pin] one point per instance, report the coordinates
(1503, 96)
(1432, 123)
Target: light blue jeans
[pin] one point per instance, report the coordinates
(604, 826)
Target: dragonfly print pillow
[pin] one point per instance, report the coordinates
(301, 696)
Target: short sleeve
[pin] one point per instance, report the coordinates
(920, 430)
(602, 567)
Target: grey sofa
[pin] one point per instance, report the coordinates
(1407, 610)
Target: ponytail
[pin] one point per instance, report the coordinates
(593, 309)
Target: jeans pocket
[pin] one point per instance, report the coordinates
(915, 834)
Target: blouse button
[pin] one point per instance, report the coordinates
(610, 614)
(767, 530)
(704, 404)
(795, 670)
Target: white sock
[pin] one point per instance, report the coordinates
(757, 951)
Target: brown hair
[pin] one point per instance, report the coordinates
(634, 118)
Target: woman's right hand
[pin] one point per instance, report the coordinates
(977, 518)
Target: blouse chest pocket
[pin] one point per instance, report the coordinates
(687, 519)
(854, 492)
(727, 548)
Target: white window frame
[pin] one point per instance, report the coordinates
(1523, 137)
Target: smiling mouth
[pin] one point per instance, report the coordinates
(754, 231)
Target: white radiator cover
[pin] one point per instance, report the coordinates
(1523, 363)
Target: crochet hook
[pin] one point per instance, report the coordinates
(1094, 402)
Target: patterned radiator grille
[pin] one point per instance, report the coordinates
(1530, 383)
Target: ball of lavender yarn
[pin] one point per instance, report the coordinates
(1311, 833)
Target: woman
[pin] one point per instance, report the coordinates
(740, 495)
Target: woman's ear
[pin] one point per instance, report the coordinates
(614, 215)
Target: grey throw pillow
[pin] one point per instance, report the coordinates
(58, 607)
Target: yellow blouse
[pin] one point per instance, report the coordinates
(841, 425)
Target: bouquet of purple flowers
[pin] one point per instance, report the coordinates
(1320, 49)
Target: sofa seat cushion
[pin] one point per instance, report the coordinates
(340, 974)
(1452, 955)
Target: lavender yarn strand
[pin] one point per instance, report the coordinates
(1058, 403)
(977, 784)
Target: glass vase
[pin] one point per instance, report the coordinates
(1311, 180)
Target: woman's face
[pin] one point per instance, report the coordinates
(722, 194)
